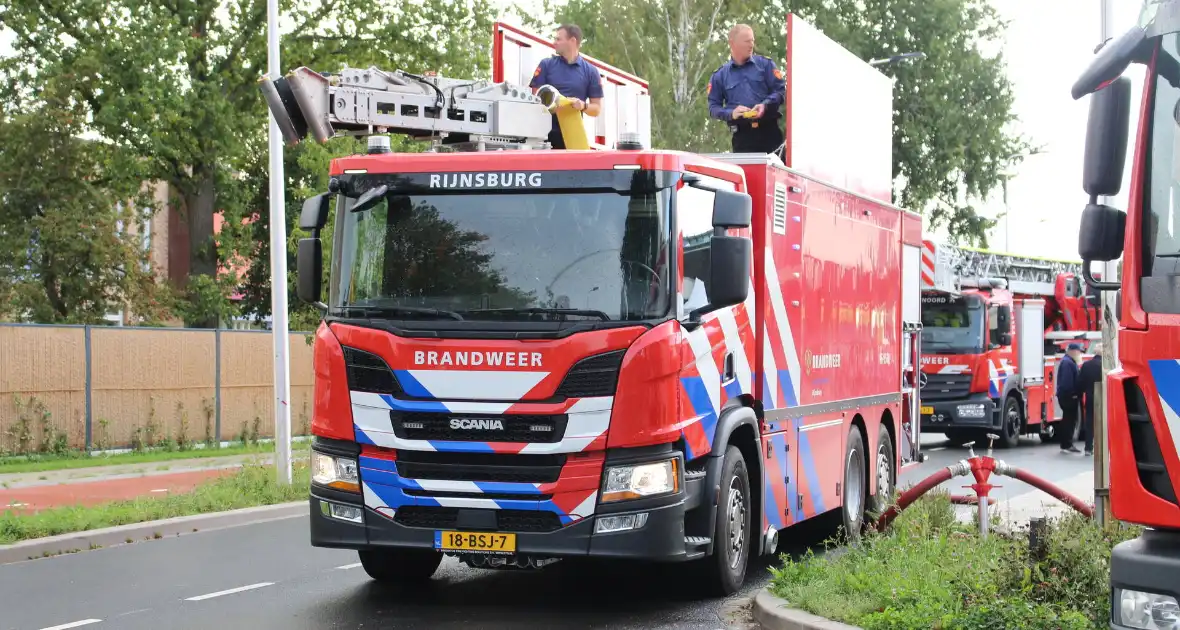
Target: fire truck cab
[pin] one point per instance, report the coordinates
(994, 327)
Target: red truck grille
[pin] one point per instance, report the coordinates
(946, 387)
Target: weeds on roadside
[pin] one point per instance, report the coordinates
(930, 571)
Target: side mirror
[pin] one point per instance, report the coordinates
(370, 198)
(309, 266)
(1110, 62)
(731, 209)
(1100, 237)
(729, 272)
(1004, 320)
(1005, 339)
(315, 212)
(1106, 138)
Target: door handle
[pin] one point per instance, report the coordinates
(730, 369)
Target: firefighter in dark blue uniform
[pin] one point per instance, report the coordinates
(572, 75)
(748, 93)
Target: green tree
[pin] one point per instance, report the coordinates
(952, 111)
(175, 81)
(72, 213)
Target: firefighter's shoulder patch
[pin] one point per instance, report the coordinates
(537, 72)
(709, 87)
(778, 74)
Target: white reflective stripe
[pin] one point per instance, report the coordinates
(733, 342)
(486, 384)
(784, 326)
(702, 351)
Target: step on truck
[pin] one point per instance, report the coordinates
(994, 326)
(529, 355)
(1143, 391)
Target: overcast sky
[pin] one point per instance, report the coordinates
(1048, 44)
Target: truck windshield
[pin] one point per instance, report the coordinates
(952, 325)
(541, 256)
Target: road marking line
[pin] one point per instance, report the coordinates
(348, 566)
(229, 591)
(937, 448)
(84, 622)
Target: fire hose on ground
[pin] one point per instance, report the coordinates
(981, 468)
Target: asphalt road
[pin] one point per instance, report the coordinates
(266, 576)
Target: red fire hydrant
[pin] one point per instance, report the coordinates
(982, 469)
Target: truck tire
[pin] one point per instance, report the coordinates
(732, 535)
(854, 485)
(883, 471)
(400, 566)
(1011, 422)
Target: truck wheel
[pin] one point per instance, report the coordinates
(1012, 418)
(732, 537)
(883, 470)
(1048, 433)
(854, 485)
(400, 566)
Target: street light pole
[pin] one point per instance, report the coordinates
(1109, 353)
(1007, 218)
(278, 267)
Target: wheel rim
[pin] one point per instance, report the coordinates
(884, 475)
(1012, 427)
(737, 522)
(853, 481)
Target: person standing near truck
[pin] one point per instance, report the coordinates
(572, 75)
(747, 92)
(1089, 376)
(1068, 395)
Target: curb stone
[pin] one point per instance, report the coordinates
(773, 613)
(149, 530)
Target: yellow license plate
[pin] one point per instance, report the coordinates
(481, 542)
(926, 411)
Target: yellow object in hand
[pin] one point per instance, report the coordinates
(750, 114)
(569, 120)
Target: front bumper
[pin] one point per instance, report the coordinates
(944, 415)
(1148, 564)
(660, 538)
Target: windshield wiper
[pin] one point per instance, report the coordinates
(549, 311)
(374, 311)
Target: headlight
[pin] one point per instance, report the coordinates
(971, 411)
(334, 472)
(1147, 611)
(636, 481)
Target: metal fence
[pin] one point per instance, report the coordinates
(97, 387)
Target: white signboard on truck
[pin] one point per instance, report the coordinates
(839, 114)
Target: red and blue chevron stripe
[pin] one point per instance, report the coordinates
(572, 497)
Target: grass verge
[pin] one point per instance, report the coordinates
(930, 571)
(252, 486)
(81, 459)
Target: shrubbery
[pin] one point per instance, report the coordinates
(930, 571)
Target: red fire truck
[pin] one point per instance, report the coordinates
(992, 329)
(1143, 393)
(530, 355)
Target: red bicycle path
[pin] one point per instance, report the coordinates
(32, 499)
